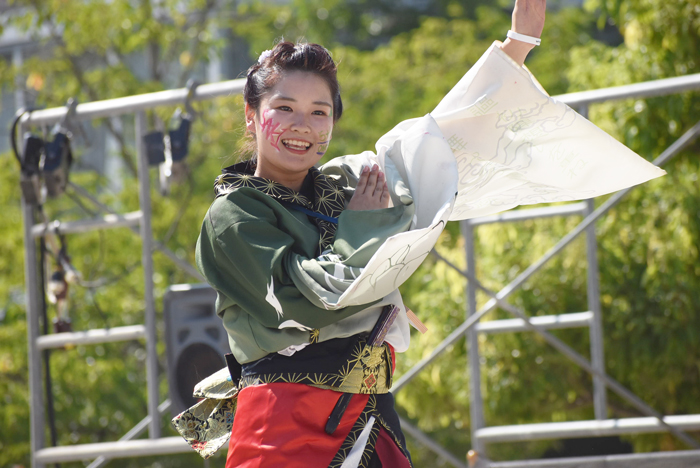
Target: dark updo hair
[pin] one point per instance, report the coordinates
(286, 57)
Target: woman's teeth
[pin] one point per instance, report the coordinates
(296, 144)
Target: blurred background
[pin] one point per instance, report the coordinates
(397, 58)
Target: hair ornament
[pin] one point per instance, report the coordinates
(264, 56)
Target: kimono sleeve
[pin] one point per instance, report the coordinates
(252, 252)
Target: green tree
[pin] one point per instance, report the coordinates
(362, 24)
(404, 78)
(94, 51)
(524, 380)
(648, 245)
(647, 253)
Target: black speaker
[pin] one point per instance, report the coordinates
(195, 340)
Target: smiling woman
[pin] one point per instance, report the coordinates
(276, 220)
(285, 241)
(294, 122)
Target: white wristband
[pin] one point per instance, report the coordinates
(523, 38)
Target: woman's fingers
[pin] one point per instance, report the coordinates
(381, 183)
(372, 180)
(362, 183)
(385, 197)
(381, 194)
(371, 192)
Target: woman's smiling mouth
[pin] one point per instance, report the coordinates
(296, 145)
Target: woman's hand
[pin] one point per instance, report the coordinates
(528, 19)
(371, 192)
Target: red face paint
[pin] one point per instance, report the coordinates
(271, 130)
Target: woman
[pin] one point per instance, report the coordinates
(274, 217)
(314, 380)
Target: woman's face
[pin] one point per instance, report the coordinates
(292, 127)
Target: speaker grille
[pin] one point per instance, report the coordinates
(196, 362)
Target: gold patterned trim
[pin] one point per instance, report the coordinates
(351, 439)
(314, 335)
(393, 436)
(329, 199)
(367, 372)
(207, 425)
(349, 442)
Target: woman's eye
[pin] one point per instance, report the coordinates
(284, 108)
(319, 112)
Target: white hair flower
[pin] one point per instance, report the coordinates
(264, 56)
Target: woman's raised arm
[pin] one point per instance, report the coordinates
(528, 19)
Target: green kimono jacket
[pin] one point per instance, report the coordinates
(262, 258)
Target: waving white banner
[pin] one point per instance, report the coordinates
(496, 141)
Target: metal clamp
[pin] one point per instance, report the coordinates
(191, 89)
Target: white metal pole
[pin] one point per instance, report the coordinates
(17, 62)
(33, 301)
(147, 261)
(426, 441)
(595, 331)
(133, 104)
(600, 400)
(476, 404)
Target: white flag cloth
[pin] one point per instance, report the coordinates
(496, 141)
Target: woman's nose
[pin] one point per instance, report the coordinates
(300, 123)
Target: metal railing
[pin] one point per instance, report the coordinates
(137, 105)
(140, 222)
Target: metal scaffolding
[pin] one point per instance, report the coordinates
(140, 222)
(481, 433)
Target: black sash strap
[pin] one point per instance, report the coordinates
(376, 338)
(337, 413)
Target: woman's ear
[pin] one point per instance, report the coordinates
(249, 118)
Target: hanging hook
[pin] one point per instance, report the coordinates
(72, 275)
(71, 105)
(69, 124)
(191, 88)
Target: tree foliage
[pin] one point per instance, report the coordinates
(649, 243)
(648, 250)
